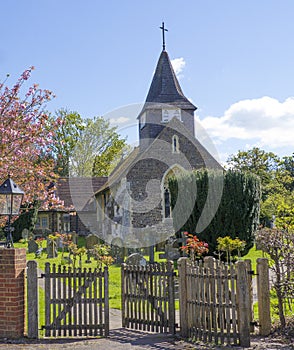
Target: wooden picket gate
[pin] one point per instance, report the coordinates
(215, 301)
(148, 300)
(76, 301)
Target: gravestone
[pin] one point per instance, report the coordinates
(171, 248)
(51, 249)
(91, 241)
(74, 237)
(117, 250)
(59, 243)
(172, 253)
(117, 253)
(136, 259)
(32, 246)
(25, 233)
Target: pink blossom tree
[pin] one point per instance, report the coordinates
(25, 139)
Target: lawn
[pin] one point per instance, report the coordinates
(253, 255)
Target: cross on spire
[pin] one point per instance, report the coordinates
(163, 36)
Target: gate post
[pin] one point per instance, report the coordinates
(263, 294)
(249, 276)
(171, 301)
(12, 292)
(123, 315)
(33, 300)
(182, 267)
(106, 300)
(243, 303)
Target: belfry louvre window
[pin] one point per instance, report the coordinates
(169, 113)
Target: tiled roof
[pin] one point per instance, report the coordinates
(78, 192)
(165, 87)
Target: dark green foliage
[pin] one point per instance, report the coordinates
(27, 219)
(236, 215)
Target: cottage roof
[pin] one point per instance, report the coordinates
(78, 192)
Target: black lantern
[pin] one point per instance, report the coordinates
(10, 201)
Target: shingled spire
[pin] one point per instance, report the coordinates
(165, 87)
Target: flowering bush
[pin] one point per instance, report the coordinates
(76, 252)
(101, 253)
(40, 241)
(194, 248)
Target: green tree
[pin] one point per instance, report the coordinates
(99, 142)
(105, 162)
(65, 139)
(238, 211)
(26, 220)
(277, 181)
(258, 162)
(288, 165)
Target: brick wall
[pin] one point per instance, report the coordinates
(12, 292)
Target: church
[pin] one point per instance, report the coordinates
(133, 206)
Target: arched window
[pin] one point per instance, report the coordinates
(175, 144)
(166, 203)
(166, 197)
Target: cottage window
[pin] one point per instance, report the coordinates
(44, 222)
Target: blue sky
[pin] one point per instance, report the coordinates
(235, 61)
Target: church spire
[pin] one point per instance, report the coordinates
(165, 87)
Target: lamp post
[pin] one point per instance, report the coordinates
(10, 201)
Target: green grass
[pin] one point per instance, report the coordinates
(253, 255)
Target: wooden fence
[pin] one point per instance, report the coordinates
(76, 301)
(148, 301)
(215, 302)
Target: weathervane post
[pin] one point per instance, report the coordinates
(163, 36)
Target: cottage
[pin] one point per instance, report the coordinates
(77, 208)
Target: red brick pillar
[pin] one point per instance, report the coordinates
(12, 292)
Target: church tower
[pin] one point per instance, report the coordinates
(136, 197)
(165, 100)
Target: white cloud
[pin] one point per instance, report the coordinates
(119, 120)
(264, 121)
(178, 66)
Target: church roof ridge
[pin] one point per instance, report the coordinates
(165, 87)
